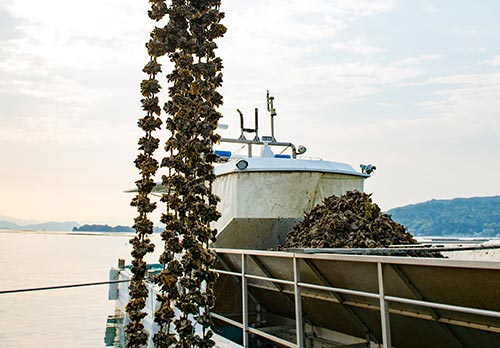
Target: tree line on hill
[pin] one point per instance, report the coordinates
(478, 216)
(107, 228)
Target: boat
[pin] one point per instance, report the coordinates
(269, 192)
(319, 297)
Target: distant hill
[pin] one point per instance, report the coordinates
(7, 225)
(46, 226)
(20, 222)
(103, 228)
(478, 216)
(13, 224)
(107, 228)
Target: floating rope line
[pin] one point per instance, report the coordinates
(55, 287)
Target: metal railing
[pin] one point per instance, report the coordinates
(384, 300)
(249, 144)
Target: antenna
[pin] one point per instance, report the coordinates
(272, 112)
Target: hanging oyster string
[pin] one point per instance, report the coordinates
(186, 282)
(147, 165)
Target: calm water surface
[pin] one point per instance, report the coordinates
(57, 318)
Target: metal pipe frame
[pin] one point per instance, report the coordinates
(270, 279)
(340, 290)
(421, 261)
(299, 325)
(384, 309)
(468, 310)
(406, 313)
(396, 250)
(259, 142)
(244, 300)
(384, 299)
(236, 275)
(271, 337)
(446, 329)
(338, 297)
(264, 269)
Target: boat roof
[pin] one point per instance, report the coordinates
(269, 164)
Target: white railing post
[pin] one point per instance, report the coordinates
(244, 299)
(384, 310)
(299, 326)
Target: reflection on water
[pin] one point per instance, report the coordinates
(74, 317)
(114, 335)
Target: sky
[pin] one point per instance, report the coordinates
(412, 87)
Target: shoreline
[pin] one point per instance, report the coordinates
(68, 233)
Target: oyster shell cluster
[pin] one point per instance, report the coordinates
(348, 221)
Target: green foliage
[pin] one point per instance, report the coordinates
(478, 216)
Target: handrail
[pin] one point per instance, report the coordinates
(398, 260)
(260, 142)
(383, 298)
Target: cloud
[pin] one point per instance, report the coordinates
(53, 33)
(8, 24)
(298, 21)
(55, 50)
(357, 47)
(471, 103)
(429, 8)
(419, 59)
(494, 61)
(71, 63)
(68, 78)
(71, 81)
(298, 51)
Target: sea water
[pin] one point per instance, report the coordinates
(74, 317)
